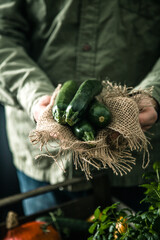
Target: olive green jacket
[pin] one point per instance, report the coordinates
(43, 43)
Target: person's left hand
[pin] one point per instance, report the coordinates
(148, 114)
(40, 106)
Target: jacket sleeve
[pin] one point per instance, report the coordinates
(152, 80)
(22, 81)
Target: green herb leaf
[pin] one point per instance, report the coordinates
(97, 213)
(92, 228)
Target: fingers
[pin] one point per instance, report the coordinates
(147, 118)
(148, 114)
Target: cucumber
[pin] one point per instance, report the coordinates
(83, 97)
(84, 131)
(63, 98)
(73, 225)
(99, 115)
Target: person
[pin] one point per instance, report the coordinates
(44, 43)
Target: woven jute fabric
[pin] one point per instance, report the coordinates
(112, 147)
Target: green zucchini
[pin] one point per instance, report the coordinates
(83, 97)
(84, 131)
(62, 224)
(99, 115)
(63, 98)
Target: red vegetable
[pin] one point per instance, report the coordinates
(29, 231)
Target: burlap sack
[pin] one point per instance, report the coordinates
(113, 145)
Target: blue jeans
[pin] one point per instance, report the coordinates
(44, 201)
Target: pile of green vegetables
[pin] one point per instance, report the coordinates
(78, 108)
(124, 224)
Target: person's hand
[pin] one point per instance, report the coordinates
(40, 106)
(148, 114)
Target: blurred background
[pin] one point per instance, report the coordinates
(8, 178)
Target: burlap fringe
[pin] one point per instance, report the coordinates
(113, 145)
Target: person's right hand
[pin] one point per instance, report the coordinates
(148, 114)
(40, 106)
